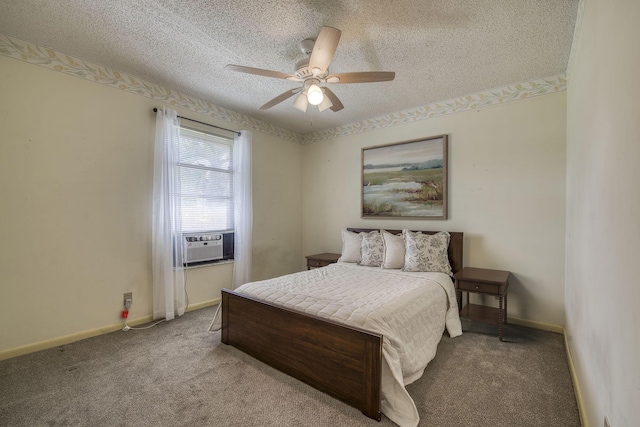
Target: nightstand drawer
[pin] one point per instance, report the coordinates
(321, 260)
(484, 288)
(316, 263)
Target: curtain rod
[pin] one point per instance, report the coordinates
(155, 110)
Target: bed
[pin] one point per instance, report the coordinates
(333, 343)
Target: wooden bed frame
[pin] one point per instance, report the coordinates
(342, 361)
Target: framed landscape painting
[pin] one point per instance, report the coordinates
(405, 180)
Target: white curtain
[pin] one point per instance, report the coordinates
(243, 208)
(166, 248)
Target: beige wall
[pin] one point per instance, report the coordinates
(603, 212)
(75, 194)
(506, 193)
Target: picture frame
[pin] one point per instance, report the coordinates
(405, 180)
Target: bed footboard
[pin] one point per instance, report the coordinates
(342, 361)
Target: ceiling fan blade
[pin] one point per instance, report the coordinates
(261, 72)
(337, 105)
(278, 99)
(324, 48)
(361, 77)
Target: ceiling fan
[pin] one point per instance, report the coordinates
(312, 71)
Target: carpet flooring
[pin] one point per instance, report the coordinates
(179, 374)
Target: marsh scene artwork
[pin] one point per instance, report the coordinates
(406, 179)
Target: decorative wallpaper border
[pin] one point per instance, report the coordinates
(468, 102)
(49, 58)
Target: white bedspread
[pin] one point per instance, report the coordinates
(411, 311)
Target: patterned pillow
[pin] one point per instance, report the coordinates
(372, 249)
(393, 250)
(426, 252)
(351, 246)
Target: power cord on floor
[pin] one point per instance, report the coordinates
(128, 328)
(127, 306)
(186, 295)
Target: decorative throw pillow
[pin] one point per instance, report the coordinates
(426, 252)
(372, 249)
(393, 250)
(351, 246)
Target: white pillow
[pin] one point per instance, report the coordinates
(393, 250)
(351, 246)
(372, 249)
(426, 252)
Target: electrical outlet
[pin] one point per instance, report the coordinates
(606, 421)
(128, 298)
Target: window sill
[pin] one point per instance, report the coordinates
(208, 264)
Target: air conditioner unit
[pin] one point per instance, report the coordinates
(200, 247)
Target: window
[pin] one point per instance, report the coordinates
(206, 175)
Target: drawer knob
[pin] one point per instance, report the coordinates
(477, 287)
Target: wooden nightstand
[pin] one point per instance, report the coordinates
(321, 260)
(488, 282)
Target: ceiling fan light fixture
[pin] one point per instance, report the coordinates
(301, 102)
(312, 71)
(314, 94)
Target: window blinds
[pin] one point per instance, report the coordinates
(206, 181)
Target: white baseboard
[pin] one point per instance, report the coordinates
(68, 339)
(536, 325)
(576, 385)
(203, 304)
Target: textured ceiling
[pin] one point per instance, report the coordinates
(439, 49)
